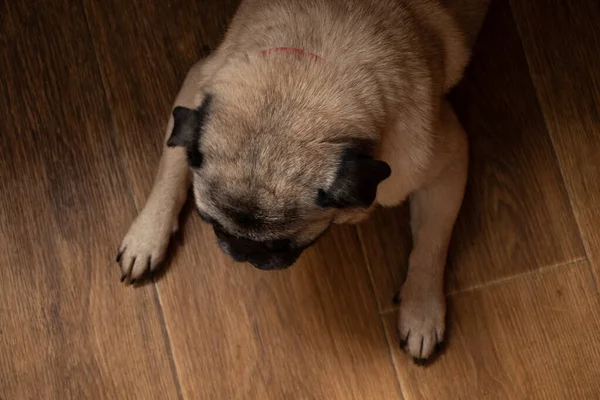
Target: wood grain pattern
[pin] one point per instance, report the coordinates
(145, 49)
(310, 332)
(80, 133)
(516, 216)
(565, 68)
(532, 337)
(68, 329)
(238, 333)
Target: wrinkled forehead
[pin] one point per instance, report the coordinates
(248, 211)
(265, 178)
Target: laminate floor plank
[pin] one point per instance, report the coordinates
(562, 47)
(68, 329)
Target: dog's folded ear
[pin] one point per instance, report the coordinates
(356, 182)
(187, 128)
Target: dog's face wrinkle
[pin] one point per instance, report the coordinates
(274, 246)
(252, 220)
(293, 223)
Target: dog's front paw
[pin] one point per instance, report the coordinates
(421, 323)
(145, 245)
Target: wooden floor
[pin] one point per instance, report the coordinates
(85, 92)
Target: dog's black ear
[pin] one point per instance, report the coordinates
(187, 128)
(356, 182)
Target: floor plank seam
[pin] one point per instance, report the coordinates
(381, 322)
(583, 241)
(124, 167)
(507, 279)
(543, 269)
(165, 328)
(390, 343)
(503, 280)
(363, 251)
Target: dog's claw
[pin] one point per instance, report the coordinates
(396, 298)
(420, 361)
(403, 341)
(120, 255)
(131, 282)
(123, 277)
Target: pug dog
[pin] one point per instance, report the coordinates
(311, 113)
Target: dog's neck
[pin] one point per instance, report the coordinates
(290, 50)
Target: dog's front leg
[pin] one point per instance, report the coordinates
(434, 209)
(145, 244)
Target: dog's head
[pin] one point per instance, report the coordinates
(272, 170)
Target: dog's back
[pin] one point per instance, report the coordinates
(381, 35)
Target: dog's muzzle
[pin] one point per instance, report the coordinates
(268, 255)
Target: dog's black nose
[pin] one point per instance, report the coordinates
(272, 263)
(264, 255)
(278, 246)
